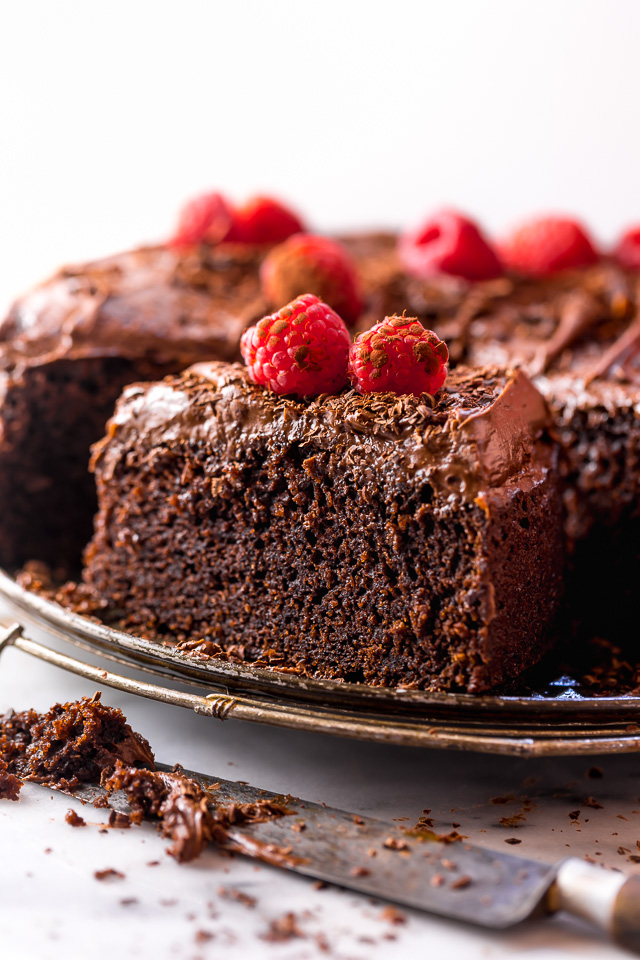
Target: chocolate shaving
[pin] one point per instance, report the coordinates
(393, 915)
(238, 895)
(578, 314)
(627, 344)
(282, 929)
(74, 819)
(109, 874)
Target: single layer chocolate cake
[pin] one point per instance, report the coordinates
(66, 351)
(381, 538)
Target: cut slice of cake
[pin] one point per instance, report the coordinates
(379, 538)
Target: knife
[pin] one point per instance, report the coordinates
(417, 868)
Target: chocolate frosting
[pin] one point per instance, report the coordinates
(475, 433)
(147, 303)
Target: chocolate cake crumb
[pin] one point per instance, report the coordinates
(282, 929)
(10, 785)
(233, 894)
(74, 819)
(109, 874)
(129, 901)
(595, 773)
(461, 882)
(513, 840)
(100, 803)
(393, 915)
(515, 821)
(395, 843)
(322, 943)
(69, 744)
(592, 802)
(203, 936)
(452, 837)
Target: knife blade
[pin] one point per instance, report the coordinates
(417, 868)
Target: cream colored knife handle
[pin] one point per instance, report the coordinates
(608, 899)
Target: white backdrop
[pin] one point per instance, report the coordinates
(360, 113)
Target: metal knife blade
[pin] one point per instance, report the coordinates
(415, 869)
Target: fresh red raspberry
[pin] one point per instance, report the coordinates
(449, 243)
(398, 356)
(627, 250)
(205, 218)
(548, 245)
(317, 264)
(302, 349)
(263, 220)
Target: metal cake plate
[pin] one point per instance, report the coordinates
(558, 721)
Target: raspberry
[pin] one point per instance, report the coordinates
(263, 220)
(302, 349)
(449, 243)
(398, 356)
(317, 264)
(627, 250)
(207, 217)
(547, 245)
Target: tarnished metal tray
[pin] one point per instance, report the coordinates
(556, 720)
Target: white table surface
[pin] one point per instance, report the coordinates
(52, 906)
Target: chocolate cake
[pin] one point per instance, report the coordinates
(66, 351)
(381, 538)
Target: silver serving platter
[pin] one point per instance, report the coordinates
(556, 722)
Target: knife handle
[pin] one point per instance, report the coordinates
(608, 899)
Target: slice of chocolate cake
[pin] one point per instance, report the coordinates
(380, 538)
(66, 351)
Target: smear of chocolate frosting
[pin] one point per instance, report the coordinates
(476, 432)
(188, 815)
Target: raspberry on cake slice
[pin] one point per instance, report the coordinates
(396, 538)
(301, 350)
(398, 356)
